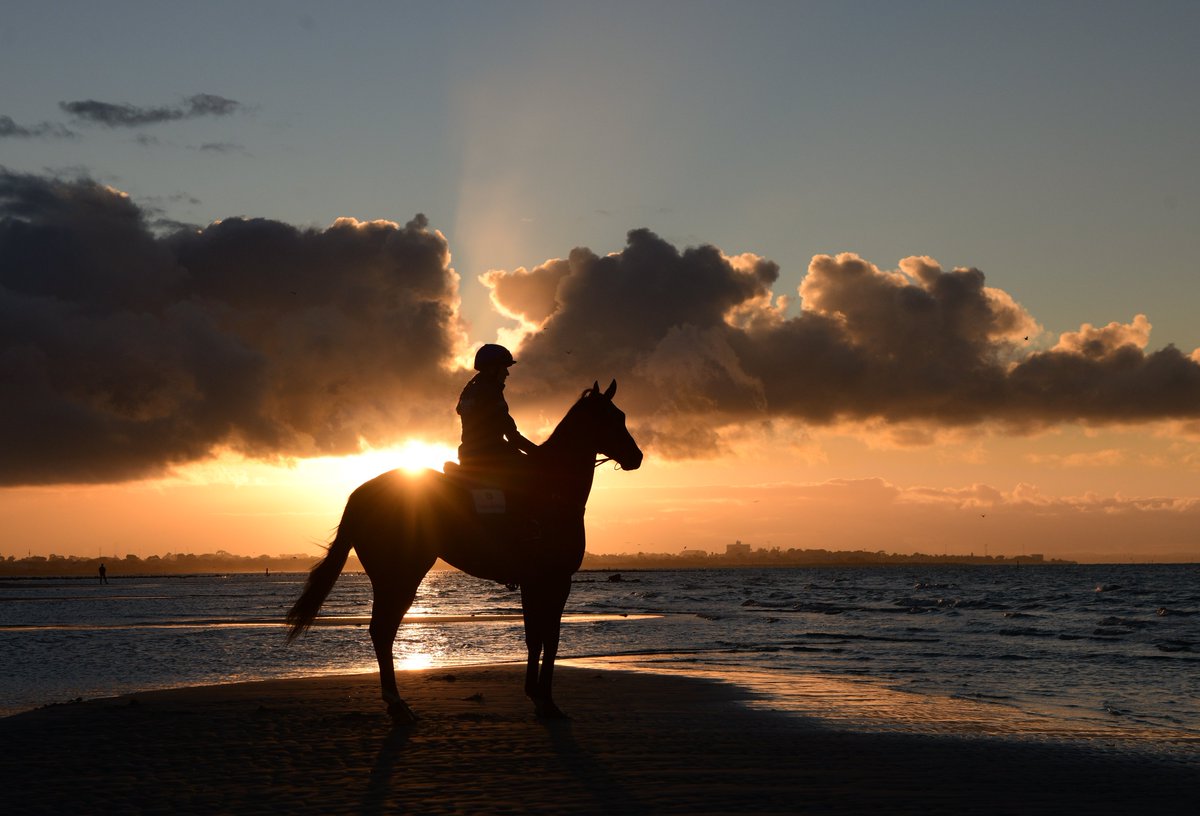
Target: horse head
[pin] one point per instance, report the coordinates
(612, 438)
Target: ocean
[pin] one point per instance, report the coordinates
(1105, 653)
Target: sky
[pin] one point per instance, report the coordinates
(889, 276)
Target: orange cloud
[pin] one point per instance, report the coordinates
(1096, 343)
(1102, 458)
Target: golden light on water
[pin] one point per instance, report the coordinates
(414, 661)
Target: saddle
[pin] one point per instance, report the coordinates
(506, 513)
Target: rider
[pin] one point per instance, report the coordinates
(492, 448)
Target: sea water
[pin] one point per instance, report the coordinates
(1098, 650)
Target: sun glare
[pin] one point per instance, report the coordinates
(416, 454)
(413, 456)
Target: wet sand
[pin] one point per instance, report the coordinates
(636, 743)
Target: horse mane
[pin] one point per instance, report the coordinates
(568, 419)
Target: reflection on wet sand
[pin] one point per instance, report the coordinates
(867, 705)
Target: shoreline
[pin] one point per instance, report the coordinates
(871, 706)
(638, 742)
(86, 570)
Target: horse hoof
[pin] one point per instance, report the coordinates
(401, 714)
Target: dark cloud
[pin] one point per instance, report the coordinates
(124, 115)
(123, 352)
(130, 343)
(162, 224)
(221, 147)
(42, 130)
(698, 341)
(154, 213)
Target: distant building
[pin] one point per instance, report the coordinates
(737, 550)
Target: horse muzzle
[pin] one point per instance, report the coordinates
(630, 461)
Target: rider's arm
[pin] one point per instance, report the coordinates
(513, 437)
(519, 442)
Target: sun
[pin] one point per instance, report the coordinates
(417, 454)
(413, 456)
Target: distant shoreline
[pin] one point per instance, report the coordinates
(88, 568)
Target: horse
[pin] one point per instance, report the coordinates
(400, 524)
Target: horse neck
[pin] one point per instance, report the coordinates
(571, 460)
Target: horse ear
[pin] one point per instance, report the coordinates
(595, 386)
(612, 389)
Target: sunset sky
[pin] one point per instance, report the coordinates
(902, 276)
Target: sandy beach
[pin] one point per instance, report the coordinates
(636, 743)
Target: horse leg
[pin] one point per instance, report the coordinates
(387, 610)
(552, 625)
(543, 606)
(533, 639)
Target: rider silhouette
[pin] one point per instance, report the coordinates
(492, 448)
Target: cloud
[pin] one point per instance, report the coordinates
(700, 342)
(651, 314)
(42, 130)
(1098, 344)
(130, 343)
(1108, 458)
(125, 115)
(123, 352)
(221, 147)
(526, 295)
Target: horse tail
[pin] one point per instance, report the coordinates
(316, 589)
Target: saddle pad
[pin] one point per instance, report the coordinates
(488, 501)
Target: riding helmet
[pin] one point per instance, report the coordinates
(491, 354)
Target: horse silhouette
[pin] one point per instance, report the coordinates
(400, 524)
